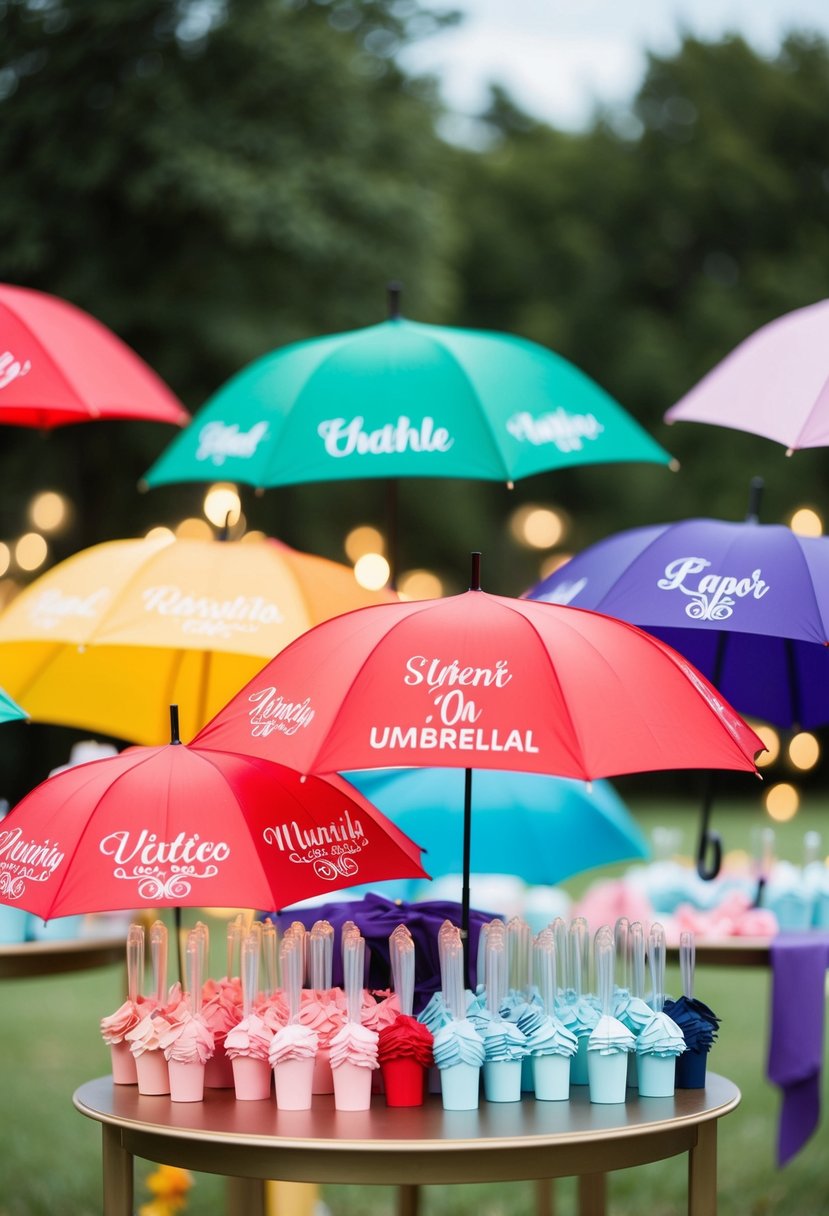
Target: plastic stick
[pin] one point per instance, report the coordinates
(578, 935)
(687, 962)
(656, 958)
(559, 929)
(354, 948)
(158, 959)
(135, 962)
(637, 960)
(621, 935)
(250, 972)
(193, 970)
(544, 957)
(604, 953)
(270, 955)
(234, 941)
(402, 957)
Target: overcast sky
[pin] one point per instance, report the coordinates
(558, 57)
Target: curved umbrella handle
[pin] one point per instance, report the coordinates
(713, 841)
(708, 839)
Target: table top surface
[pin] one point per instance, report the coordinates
(428, 1128)
(29, 959)
(729, 952)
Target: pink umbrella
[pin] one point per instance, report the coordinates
(774, 384)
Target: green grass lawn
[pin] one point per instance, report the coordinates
(50, 1156)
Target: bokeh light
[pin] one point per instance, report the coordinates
(220, 501)
(420, 585)
(254, 537)
(5, 558)
(772, 741)
(194, 529)
(804, 751)
(536, 527)
(806, 522)
(160, 533)
(372, 571)
(363, 540)
(782, 802)
(31, 551)
(552, 563)
(48, 510)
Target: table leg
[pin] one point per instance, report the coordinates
(245, 1197)
(592, 1195)
(545, 1197)
(118, 1184)
(408, 1200)
(702, 1172)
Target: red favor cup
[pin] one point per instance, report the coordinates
(404, 1080)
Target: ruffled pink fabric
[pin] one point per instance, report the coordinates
(378, 1014)
(734, 917)
(605, 901)
(221, 1006)
(274, 1011)
(115, 1026)
(251, 1038)
(188, 1041)
(147, 1035)
(324, 1012)
(354, 1044)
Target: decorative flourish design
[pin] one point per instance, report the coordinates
(154, 883)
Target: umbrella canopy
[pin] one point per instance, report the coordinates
(746, 603)
(172, 826)
(108, 639)
(9, 712)
(402, 399)
(541, 829)
(59, 365)
(775, 383)
(482, 681)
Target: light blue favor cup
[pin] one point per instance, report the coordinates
(607, 1076)
(578, 1064)
(13, 924)
(58, 929)
(552, 1078)
(657, 1075)
(502, 1080)
(459, 1085)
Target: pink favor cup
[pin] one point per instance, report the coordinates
(323, 1082)
(186, 1081)
(153, 1073)
(218, 1071)
(252, 1079)
(123, 1064)
(293, 1082)
(352, 1087)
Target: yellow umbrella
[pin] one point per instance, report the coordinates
(110, 638)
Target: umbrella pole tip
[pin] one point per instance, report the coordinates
(174, 726)
(475, 580)
(394, 290)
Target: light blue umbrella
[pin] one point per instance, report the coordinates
(541, 829)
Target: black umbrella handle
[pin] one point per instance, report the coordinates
(713, 841)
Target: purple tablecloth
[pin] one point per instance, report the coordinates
(798, 964)
(376, 918)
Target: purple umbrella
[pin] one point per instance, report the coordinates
(746, 603)
(775, 383)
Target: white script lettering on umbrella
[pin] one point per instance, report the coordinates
(446, 684)
(343, 438)
(204, 615)
(271, 713)
(52, 607)
(713, 595)
(564, 593)
(23, 861)
(12, 369)
(163, 868)
(330, 850)
(219, 440)
(568, 432)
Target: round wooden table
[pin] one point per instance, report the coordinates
(408, 1147)
(729, 952)
(25, 960)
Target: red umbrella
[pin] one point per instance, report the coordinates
(174, 826)
(482, 681)
(59, 365)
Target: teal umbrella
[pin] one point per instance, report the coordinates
(539, 828)
(402, 399)
(9, 711)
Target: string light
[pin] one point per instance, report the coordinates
(194, 529)
(372, 571)
(160, 533)
(804, 751)
(220, 501)
(31, 551)
(537, 527)
(48, 511)
(420, 585)
(772, 741)
(5, 558)
(782, 802)
(806, 522)
(363, 540)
